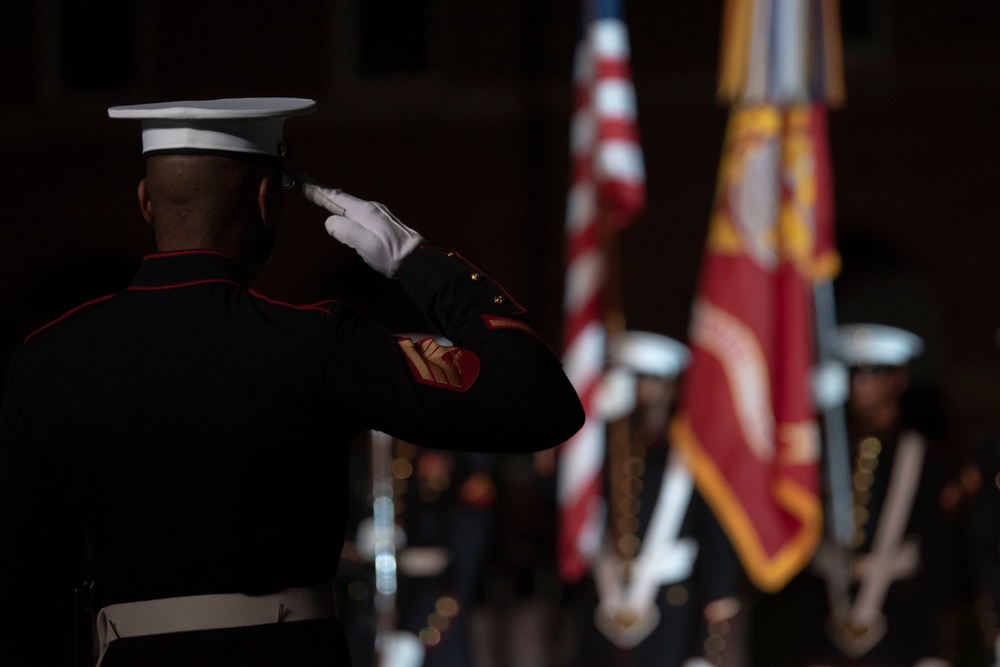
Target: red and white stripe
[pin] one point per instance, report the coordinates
(607, 188)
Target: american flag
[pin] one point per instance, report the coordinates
(606, 192)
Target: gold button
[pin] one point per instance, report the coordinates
(714, 645)
(402, 469)
(447, 606)
(870, 448)
(357, 591)
(627, 524)
(476, 276)
(861, 516)
(498, 299)
(430, 636)
(450, 254)
(628, 545)
(677, 595)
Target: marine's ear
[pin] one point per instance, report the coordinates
(145, 205)
(269, 201)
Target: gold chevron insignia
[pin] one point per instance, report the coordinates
(440, 366)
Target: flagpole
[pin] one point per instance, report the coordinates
(837, 469)
(384, 516)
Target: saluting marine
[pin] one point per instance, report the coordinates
(663, 589)
(886, 598)
(198, 432)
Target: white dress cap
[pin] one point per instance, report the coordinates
(877, 345)
(649, 353)
(238, 125)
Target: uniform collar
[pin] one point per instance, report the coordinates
(176, 269)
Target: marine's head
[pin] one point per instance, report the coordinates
(649, 364)
(878, 357)
(214, 173)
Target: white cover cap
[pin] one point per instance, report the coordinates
(877, 345)
(238, 125)
(649, 353)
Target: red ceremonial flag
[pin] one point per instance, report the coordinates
(746, 420)
(606, 191)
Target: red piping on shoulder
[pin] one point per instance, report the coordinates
(156, 288)
(321, 306)
(177, 253)
(68, 314)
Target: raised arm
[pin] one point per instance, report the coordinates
(500, 388)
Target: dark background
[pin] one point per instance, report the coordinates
(455, 114)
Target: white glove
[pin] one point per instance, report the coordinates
(402, 649)
(616, 394)
(697, 662)
(831, 384)
(368, 227)
(931, 662)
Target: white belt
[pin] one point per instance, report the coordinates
(211, 612)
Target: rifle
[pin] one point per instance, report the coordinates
(393, 648)
(84, 654)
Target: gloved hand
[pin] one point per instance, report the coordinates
(932, 662)
(831, 384)
(697, 662)
(368, 227)
(616, 394)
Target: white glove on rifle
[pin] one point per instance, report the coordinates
(831, 384)
(368, 227)
(932, 662)
(616, 394)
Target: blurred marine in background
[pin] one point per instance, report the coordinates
(888, 598)
(663, 589)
